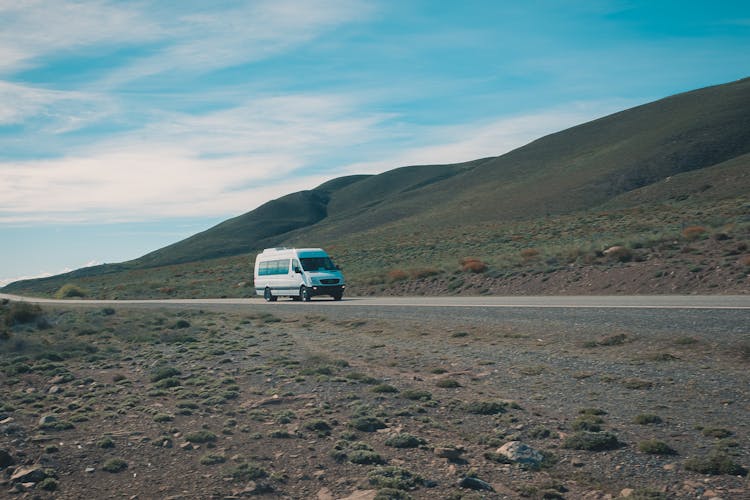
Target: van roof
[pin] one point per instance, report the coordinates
(290, 250)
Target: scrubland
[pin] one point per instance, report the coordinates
(299, 402)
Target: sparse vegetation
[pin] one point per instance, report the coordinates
(715, 463)
(447, 383)
(70, 291)
(647, 418)
(115, 465)
(592, 441)
(472, 265)
(656, 447)
(253, 424)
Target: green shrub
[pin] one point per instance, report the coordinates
(201, 437)
(365, 457)
(167, 383)
(646, 419)
(394, 477)
(592, 441)
(115, 465)
(447, 383)
(486, 407)
(164, 372)
(384, 388)
(717, 432)
(180, 324)
(320, 426)
(20, 313)
(70, 291)
(715, 463)
(367, 424)
(404, 440)
(212, 459)
(587, 423)
(416, 395)
(656, 447)
(105, 442)
(48, 484)
(246, 472)
(592, 411)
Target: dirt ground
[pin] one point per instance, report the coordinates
(692, 274)
(295, 402)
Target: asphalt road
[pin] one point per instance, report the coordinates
(717, 302)
(707, 316)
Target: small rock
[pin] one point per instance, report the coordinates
(671, 466)
(47, 419)
(186, 446)
(521, 453)
(362, 495)
(32, 474)
(57, 379)
(6, 459)
(626, 492)
(7, 420)
(89, 470)
(54, 389)
(325, 494)
(474, 483)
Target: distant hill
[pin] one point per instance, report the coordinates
(700, 138)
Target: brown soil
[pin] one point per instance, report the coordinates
(282, 396)
(701, 267)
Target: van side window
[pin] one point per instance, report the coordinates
(271, 267)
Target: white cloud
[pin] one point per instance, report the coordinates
(231, 161)
(205, 40)
(35, 28)
(59, 111)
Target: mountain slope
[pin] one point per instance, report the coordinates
(700, 139)
(582, 167)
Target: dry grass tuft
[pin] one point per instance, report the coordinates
(693, 232)
(472, 265)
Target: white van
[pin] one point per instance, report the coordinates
(299, 273)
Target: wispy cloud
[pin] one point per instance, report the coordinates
(229, 162)
(35, 28)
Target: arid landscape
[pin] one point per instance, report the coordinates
(318, 402)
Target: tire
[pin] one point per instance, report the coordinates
(267, 295)
(304, 293)
(337, 296)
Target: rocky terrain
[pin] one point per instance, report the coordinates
(306, 402)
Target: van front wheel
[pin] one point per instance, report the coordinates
(267, 295)
(304, 293)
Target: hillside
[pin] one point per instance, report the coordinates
(679, 161)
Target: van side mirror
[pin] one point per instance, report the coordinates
(298, 270)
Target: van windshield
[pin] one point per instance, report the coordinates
(317, 264)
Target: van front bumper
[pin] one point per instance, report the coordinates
(327, 290)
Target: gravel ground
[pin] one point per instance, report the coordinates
(548, 372)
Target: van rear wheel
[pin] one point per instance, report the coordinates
(304, 293)
(268, 296)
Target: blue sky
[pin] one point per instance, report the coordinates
(129, 125)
